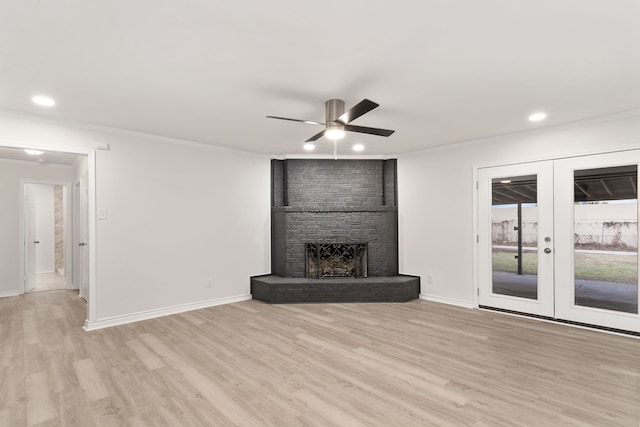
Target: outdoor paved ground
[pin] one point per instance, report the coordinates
(590, 293)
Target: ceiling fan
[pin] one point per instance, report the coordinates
(337, 120)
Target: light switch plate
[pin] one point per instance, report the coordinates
(102, 213)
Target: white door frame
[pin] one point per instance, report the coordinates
(91, 157)
(543, 305)
(68, 219)
(81, 236)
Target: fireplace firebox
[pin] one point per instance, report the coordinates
(336, 260)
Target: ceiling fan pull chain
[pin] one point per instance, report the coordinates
(335, 149)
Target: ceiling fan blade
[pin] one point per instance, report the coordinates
(372, 131)
(311, 122)
(316, 136)
(358, 110)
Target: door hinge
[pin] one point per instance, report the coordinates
(477, 238)
(477, 185)
(478, 291)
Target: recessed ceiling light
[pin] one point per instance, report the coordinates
(358, 147)
(43, 101)
(33, 152)
(505, 181)
(536, 117)
(309, 146)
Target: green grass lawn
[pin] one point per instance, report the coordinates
(610, 268)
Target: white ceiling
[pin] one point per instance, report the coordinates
(443, 71)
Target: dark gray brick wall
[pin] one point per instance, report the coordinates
(343, 184)
(338, 201)
(277, 182)
(377, 228)
(278, 242)
(390, 182)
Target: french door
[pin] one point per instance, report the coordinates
(560, 239)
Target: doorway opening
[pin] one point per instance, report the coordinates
(47, 222)
(55, 166)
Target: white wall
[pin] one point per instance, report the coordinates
(45, 232)
(178, 214)
(436, 193)
(11, 172)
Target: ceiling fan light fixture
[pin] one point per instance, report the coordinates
(537, 117)
(358, 147)
(43, 101)
(334, 132)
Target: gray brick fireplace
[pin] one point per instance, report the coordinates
(334, 204)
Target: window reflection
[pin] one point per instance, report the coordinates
(514, 230)
(606, 238)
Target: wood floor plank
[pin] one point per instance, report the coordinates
(250, 363)
(145, 354)
(90, 380)
(40, 404)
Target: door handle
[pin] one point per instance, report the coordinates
(36, 241)
(82, 244)
(547, 250)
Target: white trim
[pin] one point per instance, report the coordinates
(475, 243)
(5, 294)
(92, 292)
(445, 300)
(152, 314)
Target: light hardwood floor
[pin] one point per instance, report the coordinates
(253, 364)
(49, 282)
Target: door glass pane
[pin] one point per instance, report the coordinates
(514, 235)
(606, 238)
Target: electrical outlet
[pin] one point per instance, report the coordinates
(209, 283)
(429, 279)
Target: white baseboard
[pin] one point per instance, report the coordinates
(4, 294)
(151, 314)
(450, 301)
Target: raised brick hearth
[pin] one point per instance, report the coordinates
(282, 290)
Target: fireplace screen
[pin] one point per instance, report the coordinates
(336, 260)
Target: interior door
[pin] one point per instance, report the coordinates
(596, 203)
(516, 238)
(83, 243)
(29, 238)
